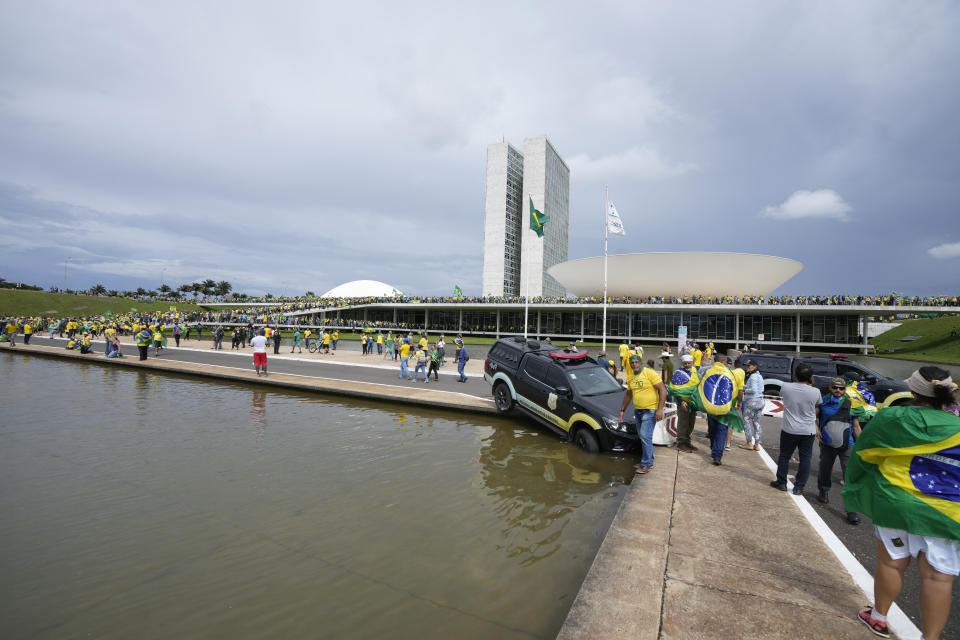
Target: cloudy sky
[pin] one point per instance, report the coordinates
(293, 146)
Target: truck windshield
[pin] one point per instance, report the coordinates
(593, 381)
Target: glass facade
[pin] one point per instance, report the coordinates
(773, 328)
(513, 223)
(637, 325)
(656, 325)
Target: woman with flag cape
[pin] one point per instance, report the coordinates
(716, 395)
(904, 474)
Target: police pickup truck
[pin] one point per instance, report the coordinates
(777, 368)
(566, 391)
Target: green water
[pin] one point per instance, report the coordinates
(138, 505)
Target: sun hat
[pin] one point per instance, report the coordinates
(686, 358)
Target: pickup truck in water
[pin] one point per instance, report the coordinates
(777, 368)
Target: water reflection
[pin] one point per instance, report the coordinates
(539, 485)
(258, 412)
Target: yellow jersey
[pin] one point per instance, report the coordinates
(643, 385)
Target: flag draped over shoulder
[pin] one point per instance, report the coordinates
(905, 472)
(713, 394)
(614, 223)
(537, 220)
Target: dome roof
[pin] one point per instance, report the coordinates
(362, 289)
(682, 273)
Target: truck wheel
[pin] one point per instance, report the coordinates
(501, 397)
(585, 439)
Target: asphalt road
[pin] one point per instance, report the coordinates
(859, 539)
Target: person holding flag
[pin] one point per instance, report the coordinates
(686, 377)
(715, 394)
(904, 474)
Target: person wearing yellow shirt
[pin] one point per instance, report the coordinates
(404, 356)
(27, 332)
(697, 356)
(424, 342)
(380, 343)
(624, 350)
(646, 390)
(157, 340)
(306, 337)
(108, 335)
(334, 339)
(327, 339)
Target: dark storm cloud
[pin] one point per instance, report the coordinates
(300, 147)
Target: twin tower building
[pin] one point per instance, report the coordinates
(512, 252)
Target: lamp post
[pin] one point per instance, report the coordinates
(65, 262)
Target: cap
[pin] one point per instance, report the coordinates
(838, 380)
(749, 362)
(686, 358)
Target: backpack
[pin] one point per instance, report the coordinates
(466, 356)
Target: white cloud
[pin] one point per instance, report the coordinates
(823, 203)
(945, 251)
(644, 163)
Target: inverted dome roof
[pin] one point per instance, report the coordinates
(681, 273)
(362, 289)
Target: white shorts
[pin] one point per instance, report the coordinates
(942, 554)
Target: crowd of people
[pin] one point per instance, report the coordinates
(899, 463)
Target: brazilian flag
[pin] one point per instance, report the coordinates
(713, 394)
(537, 220)
(905, 472)
(457, 291)
(863, 406)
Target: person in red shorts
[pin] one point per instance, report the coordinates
(259, 343)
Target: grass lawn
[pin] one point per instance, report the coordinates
(935, 343)
(42, 303)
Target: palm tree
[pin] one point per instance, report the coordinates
(209, 286)
(113, 293)
(165, 288)
(197, 289)
(141, 291)
(99, 289)
(223, 288)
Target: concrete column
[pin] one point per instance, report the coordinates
(498, 324)
(364, 314)
(460, 324)
(394, 316)
(583, 320)
(426, 320)
(798, 332)
(866, 340)
(736, 331)
(538, 324)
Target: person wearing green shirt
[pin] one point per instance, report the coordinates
(296, 342)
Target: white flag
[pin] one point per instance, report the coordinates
(614, 223)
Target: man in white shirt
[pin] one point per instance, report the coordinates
(259, 343)
(800, 428)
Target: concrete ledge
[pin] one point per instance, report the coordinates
(622, 595)
(369, 390)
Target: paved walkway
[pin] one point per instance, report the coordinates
(695, 551)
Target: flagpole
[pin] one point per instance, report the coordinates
(606, 237)
(526, 290)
